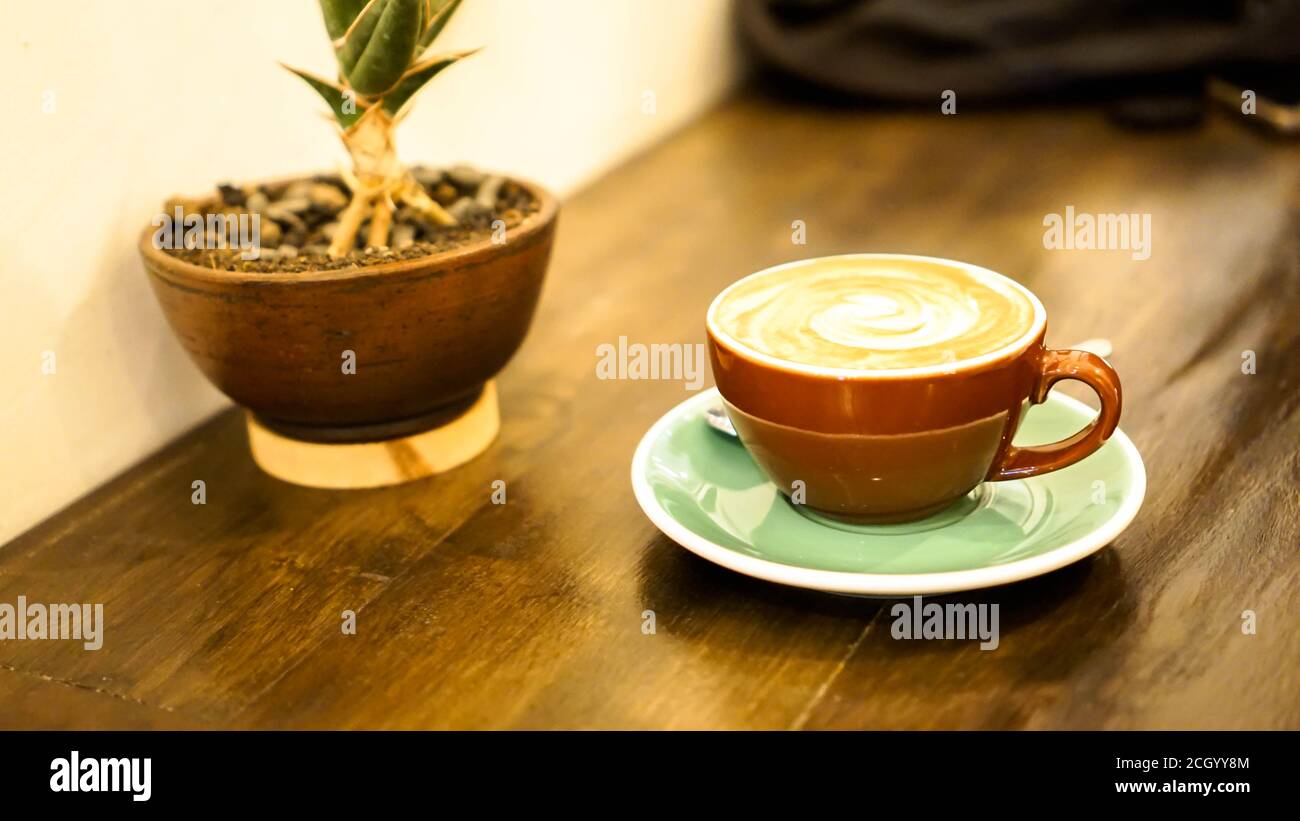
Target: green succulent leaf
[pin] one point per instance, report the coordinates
(344, 105)
(440, 12)
(377, 48)
(415, 79)
(339, 15)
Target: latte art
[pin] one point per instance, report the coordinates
(874, 313)
(900, 322)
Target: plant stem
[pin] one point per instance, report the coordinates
(413, 195)
(380, 221)
(345, 237)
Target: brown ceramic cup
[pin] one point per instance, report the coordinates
(893, 446)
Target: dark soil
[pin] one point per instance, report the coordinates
(296, 221)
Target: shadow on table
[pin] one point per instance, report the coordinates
(1080, 608)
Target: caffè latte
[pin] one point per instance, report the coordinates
(875, 312)
(883, 387)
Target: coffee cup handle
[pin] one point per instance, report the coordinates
(1019, 463)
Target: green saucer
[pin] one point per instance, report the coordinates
(702, 489)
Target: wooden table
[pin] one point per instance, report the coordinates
(529, 614)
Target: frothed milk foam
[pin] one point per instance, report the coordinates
(874, 313)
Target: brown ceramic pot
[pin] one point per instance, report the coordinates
(427, 333)
(873, 447)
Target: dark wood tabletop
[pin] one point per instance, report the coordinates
(529, 613)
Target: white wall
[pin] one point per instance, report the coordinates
(153, 97)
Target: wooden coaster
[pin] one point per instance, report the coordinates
(375, 464)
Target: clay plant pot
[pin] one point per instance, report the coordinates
(427, 334)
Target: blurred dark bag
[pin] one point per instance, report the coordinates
(913, 50)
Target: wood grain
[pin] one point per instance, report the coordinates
(529, 614)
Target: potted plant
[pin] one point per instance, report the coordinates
(372, 304)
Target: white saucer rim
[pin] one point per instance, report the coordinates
(879, 584)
